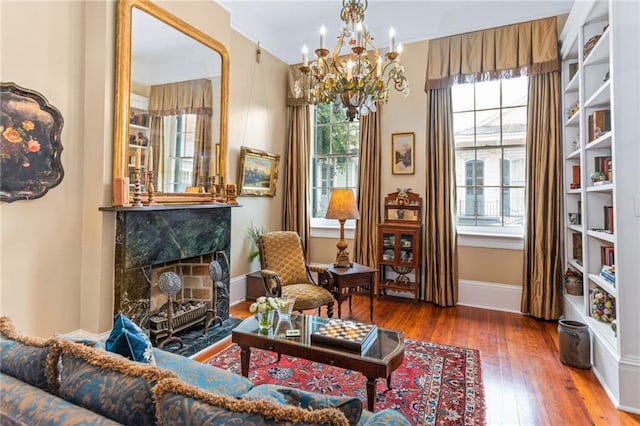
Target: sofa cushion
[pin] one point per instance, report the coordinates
(27, 357)
(351, 407)
(386, 417)
(203, 376)
(128, 340)
(180, 404)
(108, 384)
(23, 404)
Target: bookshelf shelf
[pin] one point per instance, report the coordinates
(604, 284)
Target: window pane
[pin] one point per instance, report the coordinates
(323, 140)
(462, 97)
(463, 158)
(465, 204)
(514, 126)
(488, 127)
(515, 91)
(463, 129)
(340, 139)
(517, 166)
(488, 94)
(488, 206)
(489, 167)
(513, 206)
(322, 113)
(338, 114)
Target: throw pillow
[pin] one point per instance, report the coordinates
(180, 404)
(108, 384)
(128, 340)
(28, 358)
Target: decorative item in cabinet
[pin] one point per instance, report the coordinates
(573, 69)
(575, 173)
(590, 44)
(599, 122)
(603, 305)
(577, 247)
(400, 242)
(575, 218)
(573, 110)
(573, 282)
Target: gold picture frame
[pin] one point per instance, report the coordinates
(258, 172)
(403, 158)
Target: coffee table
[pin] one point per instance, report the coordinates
(383, 357)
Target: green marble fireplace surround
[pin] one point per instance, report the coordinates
(152, 236)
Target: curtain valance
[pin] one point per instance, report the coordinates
(294, 88)
(520, 49)
(184, 97)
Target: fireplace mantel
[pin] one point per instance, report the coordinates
(154, 235)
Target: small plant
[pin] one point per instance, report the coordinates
(254, 233)
(264, 304)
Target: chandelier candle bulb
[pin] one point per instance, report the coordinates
(392, 40)
(359, 34)
(379, 67)
(323, 31)
(150, 158)
(305, 56)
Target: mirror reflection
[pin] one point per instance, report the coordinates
(175, 103)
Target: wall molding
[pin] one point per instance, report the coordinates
(237, 289)
(486, 295)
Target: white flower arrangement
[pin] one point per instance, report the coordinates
(264, 304)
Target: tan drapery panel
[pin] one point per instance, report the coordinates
(441, 245)
(369, 162)
(156, 136)
(296, 174)
(528, 48)
(186, 97)
(542, 281)
(295, 87)
(203, 150)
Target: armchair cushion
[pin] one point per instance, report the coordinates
(308, 296)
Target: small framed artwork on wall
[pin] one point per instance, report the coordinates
(403, 153)
(258, 172)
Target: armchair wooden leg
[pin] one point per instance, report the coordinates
(330, 310)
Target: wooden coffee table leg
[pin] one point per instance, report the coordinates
(371, 393)
(245, 357)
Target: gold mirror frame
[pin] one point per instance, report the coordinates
(123, 93)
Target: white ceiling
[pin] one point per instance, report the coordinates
(282, 27)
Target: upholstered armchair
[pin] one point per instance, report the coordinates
(285, 272)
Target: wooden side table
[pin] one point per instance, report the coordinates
(359, 279)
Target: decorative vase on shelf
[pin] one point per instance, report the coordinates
(265, 319)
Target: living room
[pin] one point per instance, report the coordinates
(57, 251)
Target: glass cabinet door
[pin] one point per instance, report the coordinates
(389, 246)
(406, 247)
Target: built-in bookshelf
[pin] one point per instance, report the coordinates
(139, 137)
(601, 141)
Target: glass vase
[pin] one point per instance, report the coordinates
(265, 320)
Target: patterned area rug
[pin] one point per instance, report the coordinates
(435, 385)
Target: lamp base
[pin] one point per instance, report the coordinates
(342, 260)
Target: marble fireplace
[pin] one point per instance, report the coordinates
(182, 239)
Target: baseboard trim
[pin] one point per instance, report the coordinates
(486, 295)
(237, 289)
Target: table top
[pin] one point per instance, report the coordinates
(355, 269)
(387, 346)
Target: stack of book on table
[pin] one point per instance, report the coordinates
(347, 335)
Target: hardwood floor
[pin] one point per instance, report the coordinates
(524, 381)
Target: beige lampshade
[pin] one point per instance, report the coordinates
(342, 205)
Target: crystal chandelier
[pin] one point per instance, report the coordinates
(357, 79)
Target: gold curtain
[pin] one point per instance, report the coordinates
(365, 237)
(441, 245)
(296, 174)
(542, 280)
(156, 136)
(528, 48)
(186, 97)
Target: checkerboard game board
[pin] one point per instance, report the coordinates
(349, 335)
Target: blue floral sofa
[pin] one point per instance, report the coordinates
(57, 381)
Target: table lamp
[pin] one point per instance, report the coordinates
(342, 206)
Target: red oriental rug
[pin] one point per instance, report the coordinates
(435, 385)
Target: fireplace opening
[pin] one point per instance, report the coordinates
(202, 298)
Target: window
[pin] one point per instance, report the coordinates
(489, 126)
(179, 131)
(334, 158)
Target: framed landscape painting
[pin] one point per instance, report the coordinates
(258, 172)
(402, 153)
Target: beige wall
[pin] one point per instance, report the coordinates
(56, 252)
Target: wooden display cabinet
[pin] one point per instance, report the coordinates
(400, 243)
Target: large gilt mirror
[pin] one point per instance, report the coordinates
(172, 86)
